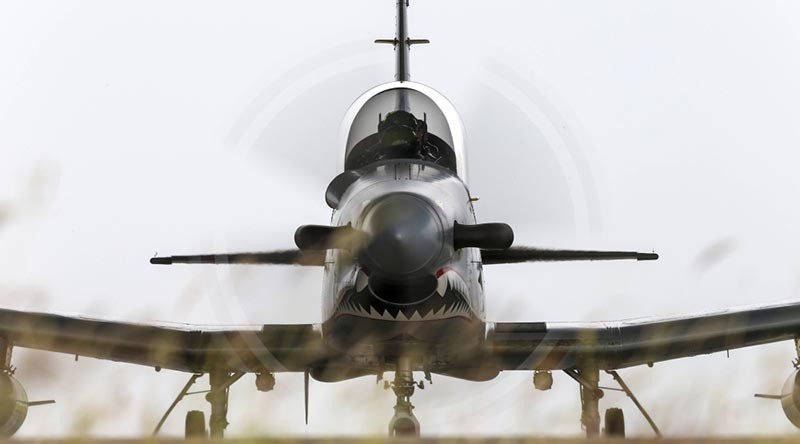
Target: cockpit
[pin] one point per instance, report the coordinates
(402, 123)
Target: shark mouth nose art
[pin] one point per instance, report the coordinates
(448, 301)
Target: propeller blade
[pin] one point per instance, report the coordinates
(516, 255)
(491, 236)
(279, 257)
(325, 237)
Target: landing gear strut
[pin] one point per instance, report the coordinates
(221, 381)
(588, 377)
(403, 423)
(590, 400)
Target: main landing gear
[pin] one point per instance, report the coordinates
(589, 379)
(217, 396)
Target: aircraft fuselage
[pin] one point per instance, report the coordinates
(409, 289)
(422, 201)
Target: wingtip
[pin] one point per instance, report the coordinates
(647, 257)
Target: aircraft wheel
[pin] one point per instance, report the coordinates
(615, 423)
(406, 427)
(196, 424)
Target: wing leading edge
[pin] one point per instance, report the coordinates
(613, 345)
(179, 347)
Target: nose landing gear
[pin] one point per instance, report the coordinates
(404, 423)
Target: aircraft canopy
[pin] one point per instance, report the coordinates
(400, 123)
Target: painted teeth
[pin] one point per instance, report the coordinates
(361, 281)
(373, 313)
(441, 285)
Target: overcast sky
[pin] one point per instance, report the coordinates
(134, 127)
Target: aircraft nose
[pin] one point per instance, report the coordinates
(407, 236)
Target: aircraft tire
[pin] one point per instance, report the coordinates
(405, 428)
(614, 423)
(196, 424)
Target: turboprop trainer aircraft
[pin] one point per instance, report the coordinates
(403, 262)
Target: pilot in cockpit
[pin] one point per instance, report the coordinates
(403, 136)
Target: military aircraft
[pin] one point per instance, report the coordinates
(403, 260)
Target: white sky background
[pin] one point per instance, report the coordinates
(134, 127)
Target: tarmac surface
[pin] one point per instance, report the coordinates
(449, 440)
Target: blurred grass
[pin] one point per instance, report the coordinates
(443, 440)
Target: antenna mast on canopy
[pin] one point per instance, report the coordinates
(402, 44)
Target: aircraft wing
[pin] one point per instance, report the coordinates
(179, 347)
(613, 345)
